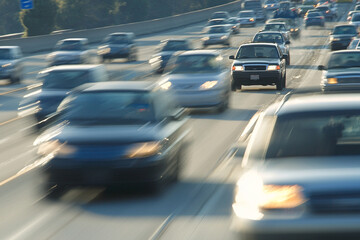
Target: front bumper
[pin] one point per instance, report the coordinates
(265, 77)
(118, 54)
(342, 44)
(303, 227)
(200, 98)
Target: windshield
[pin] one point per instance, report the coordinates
(355, 18)
(353, 44)
(102, 108)
(5, 54)
(217, 22)
(344, 60)
(69, 46)
(219, 15)
(252, 5)
(345, 30)
(174, 46)
(316, 134)
(322, 9)
(268, 37)
(117, 39)
(196, 64)
(314, 14)
(246, 14)
(64, 79)
(257, 52)
(270, 1)
(274, 27)
(215, 30)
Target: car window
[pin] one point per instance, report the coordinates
(219, 15)
(356, 17)
(353, 44)
(196, 64)
(215, 30)
(274, 27)
(64, 79)
(345, 30)
(268, 37)
(257, 52)
(174, 46)
(217, 22)
(118, 39)
(316, 134)
(344, 60)
(109, 108)
(314, 14)
(69, 45)
(5, 54)
(246, 14)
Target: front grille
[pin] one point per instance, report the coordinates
(255, 67)
(335, 203)
(349, 80)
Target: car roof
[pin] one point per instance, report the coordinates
(220, 25)
(74, 39)
(72, 67)
(200, 52)
(8, 47)
(245, 11)
(275, 23)
(272, 32)
(173, 40)
(217, 19)
(345, 51)
(316, 103)
(259, 44)
(344, 25)
(121, 33)
(141, 86)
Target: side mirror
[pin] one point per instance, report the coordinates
(232, 57)
(321, 67)
(287, 42)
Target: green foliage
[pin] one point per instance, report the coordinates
(41, 19)
(9, 17)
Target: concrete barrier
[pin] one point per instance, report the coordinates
(47, 42)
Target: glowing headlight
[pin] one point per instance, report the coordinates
(224, 37)
(251, 19)
(238, 68)
(142, 150)
(281, 196)
(332, 80)
(335, 39)
(208, 85)
(273, 67)
(104, 51)
(205, 38)
(55, 148)
(166, 86)
(6, 65)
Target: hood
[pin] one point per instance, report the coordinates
(65, 53)
(4, 61)
(257, 61)
(343, 72)
(343, 35)
(217, 35)
(314, 174)
(75, 134)
(191, 81)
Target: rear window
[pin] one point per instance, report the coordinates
(64, 79)
(257, 52)
(249, 5)
(345, 30)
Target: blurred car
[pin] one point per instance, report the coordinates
(271, 4)
(235, 23)
(218, 22)
(327, 12)
(314, 19)
(350, 14)
(258, 64)
(342, 71)
(166, 49)
(304, 8)
(300, 171)
(278, 26)
(199, 79)
(309, 2)
(57, 82)
(354, 44)
(217, 35)
(292, 24)
(341, 36)
(12, 63)
(357, 8)
(247, 17)
(114, 133)
(118, 45)
(274, 37)
(355, 20)
(70, 51)
(256, 6)
(220, 14)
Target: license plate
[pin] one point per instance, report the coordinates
(254, 77)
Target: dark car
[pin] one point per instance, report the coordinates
(220, 14)
(257, 7)
(114, 133)
(165, 50)
(327, 12)
(118, 45)
(217, 35)
(342, 71)
(11, 63)
(341, 36)
(314, 18)
(258, 64)
(57, 82)
(300, 174)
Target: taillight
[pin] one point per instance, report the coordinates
(321, 17)
(327, 11)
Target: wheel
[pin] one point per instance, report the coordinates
(279, 84)
(14, 80)
(284, 81)
(288, 60)
(235, 86)
(224, 105)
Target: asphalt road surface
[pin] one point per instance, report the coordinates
(197, 207)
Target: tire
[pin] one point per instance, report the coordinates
(224, 105)
(284, 81)
(14, 80)
(279, 84)
(235, 86)
(288, 60)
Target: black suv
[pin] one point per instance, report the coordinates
(341, 36)
(258, 64)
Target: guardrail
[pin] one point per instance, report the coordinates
(47, 42)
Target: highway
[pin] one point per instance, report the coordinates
(197, 207)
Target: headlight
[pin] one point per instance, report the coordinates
(252, 197)
(55, 148)
(103, 51)
(6, 65)
(166, 86)
(224, 37)
(238, 68)
(332, 80)
(251, 19)
(205, 38)
(273, 67)
(145, 149)
(208, 85)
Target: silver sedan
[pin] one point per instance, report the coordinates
(199, 79)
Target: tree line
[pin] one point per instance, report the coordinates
(51, 15)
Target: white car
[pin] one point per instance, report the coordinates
(11, 63)
(355, 20)
(247, 17)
